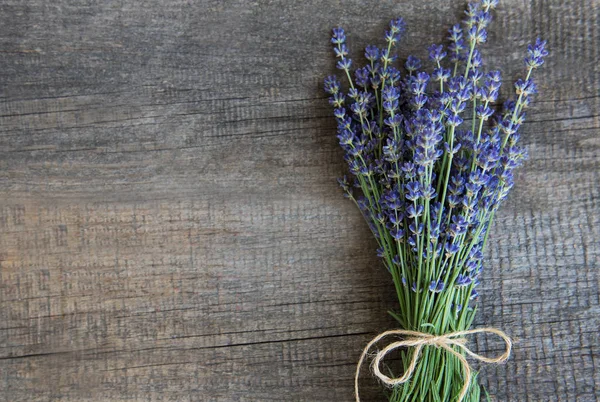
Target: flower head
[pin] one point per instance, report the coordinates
(536, 54)
(339, 36)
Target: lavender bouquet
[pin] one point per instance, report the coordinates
(431, 157)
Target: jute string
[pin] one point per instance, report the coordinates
(418, 340)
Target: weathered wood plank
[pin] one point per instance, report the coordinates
(171, 227)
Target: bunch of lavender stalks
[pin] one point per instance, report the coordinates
(431, 157)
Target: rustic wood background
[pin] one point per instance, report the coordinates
(171, 228)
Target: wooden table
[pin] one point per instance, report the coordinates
(171, 228)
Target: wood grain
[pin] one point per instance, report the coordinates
(171, 229)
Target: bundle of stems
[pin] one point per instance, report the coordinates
(431, 157)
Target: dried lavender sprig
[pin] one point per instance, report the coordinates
(429, 186)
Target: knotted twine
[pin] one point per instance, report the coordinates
(418, 340)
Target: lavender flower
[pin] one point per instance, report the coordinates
(431, 159)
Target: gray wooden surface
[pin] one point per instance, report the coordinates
(170, 225)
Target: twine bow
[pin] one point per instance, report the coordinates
(418, 340)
